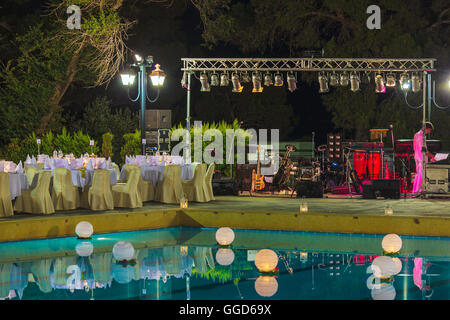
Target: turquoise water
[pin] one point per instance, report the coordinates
(187, 264)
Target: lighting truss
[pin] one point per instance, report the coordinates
(307, 64)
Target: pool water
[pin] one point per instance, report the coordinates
(187, 264)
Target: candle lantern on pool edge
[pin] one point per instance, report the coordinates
(388, 210)
(183, 202)
(304, 206)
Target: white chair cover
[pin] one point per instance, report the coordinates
(28, 159)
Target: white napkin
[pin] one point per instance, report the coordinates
(127, 160)
(33, 161)
(102, 164)
(89, 165)
(19, 168)
(28, 160)
(109, 163)
(11, 166)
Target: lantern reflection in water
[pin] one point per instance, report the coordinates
(266, 286)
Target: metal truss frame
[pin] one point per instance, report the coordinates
(307, 64)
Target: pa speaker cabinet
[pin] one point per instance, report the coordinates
(309, 189)
(158, 119)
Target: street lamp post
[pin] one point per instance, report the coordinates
(157, 78)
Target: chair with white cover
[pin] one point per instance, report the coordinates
(195, 189)
(65, 195)
(170, 190)
(98, 196)
(208, 182)
(37, 199)
(126, 195)
(6, 209)
(30, 172)
(146, 188)
(116, 168)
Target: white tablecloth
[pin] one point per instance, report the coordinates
(156, 173)
(89, 174)
(17, 182)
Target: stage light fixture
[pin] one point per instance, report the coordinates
(343, 81)
(237, 87)
(354, 82)
(268, 80)
(415, 82)
(334, 79)
(292, 83)
(366, 78)
(390, 80)
(214, 80)
(204, 82)
(245, 77)
(278, 80)
(379, 84)
(256, 79)
(323, 83)
(405, 83)
(224, 80)
(138, 58)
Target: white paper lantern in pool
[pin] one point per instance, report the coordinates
(391, 243)
(224, 236)
(266, 286)
(84, 229)
(384, 292)
(384, 267)
(84, 249)
(266, 260)
(123, 250)
(224, 256)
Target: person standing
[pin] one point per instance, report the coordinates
(418, 157)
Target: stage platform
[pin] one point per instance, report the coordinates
(413, 217)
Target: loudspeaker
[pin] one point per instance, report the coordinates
(158, 119)
(309, 189)
(382, 188)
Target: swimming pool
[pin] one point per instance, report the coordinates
(187, 264)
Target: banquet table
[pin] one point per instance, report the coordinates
(89, 174)
(155, 173)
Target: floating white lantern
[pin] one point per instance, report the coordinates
(384, 292)
(391, 243)
(384, 267)
(123, 250)
(224, 256)
(224, 236)
(84, 249)
(84, 230)
(388, 211)
(266, 286)
(266, 260)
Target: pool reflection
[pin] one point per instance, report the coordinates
(210, 272)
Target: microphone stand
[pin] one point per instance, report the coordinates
(393, 148)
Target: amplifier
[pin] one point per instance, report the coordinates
(309, 189)
(382, 188)
(437, 178)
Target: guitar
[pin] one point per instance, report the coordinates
(257, 178)
(282, 173)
